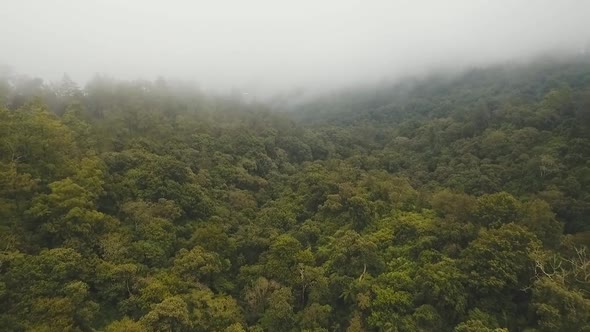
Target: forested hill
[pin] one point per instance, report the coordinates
(451, 203)
(523, 129)
(442, 94)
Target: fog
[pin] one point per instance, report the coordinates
(265, 47)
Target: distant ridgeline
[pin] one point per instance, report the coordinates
(451, 203)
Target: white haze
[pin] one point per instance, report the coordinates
(264, 47)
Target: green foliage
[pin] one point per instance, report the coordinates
(476, 326)
(500, 259)
(497, 209)
(558, 308)
(279, 314)
(540, 220)
(199, 265)
(169, 315)
(456, 204)
(124, 325)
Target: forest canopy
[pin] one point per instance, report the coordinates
(449, 203)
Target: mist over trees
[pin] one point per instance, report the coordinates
(450, 203)
(297, 166)
(265, 47)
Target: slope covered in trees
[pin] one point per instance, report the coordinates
(444, 204)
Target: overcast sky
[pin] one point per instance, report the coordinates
(274, 45)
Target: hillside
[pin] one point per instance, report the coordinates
(447, 203)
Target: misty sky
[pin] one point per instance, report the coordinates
(274, 45)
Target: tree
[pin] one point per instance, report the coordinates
(360, 212)
(456, 206)
(494, 210)
(442, 285)
(67, 215)
(45, 291)
(500, 260)
(350, 254)
(279, 314)
(199, 265)
(38, 142)
(169, 315)
(560, 288)
(280, 261)
(257, 296)
(315, 316)
(211, 312)
(540, 220)
(476, 326)
(559, 308)
(152, 229)
(124, 325)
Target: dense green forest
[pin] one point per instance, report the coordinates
(448, 203)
